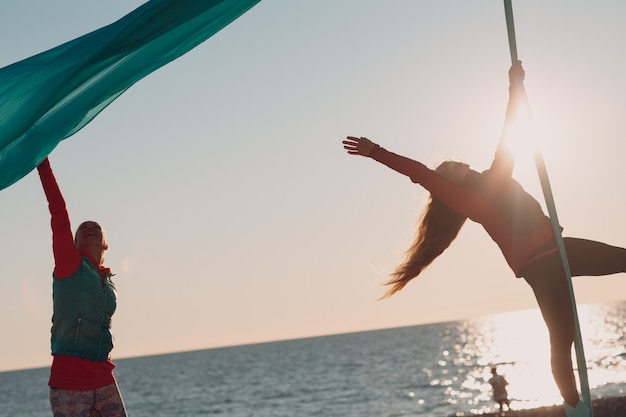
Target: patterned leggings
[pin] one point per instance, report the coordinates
(101, 402)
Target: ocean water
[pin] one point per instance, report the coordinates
(428, 370)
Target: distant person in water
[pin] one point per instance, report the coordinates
(81, 382)
(500, 395)
(515, 221)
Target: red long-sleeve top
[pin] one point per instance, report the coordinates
(69, 372)
(511, 216)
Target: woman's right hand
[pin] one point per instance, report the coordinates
(358, 146)
(516, 73)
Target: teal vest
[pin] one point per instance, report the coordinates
(83, 306)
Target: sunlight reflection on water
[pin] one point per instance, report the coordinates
(517, 344)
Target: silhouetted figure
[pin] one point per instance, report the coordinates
(516, 222)
(500, 395)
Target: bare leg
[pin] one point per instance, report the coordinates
(553, 299)
(591, 258)
(546, 277)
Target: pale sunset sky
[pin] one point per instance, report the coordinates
(233, 214)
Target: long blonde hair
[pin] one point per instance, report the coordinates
(438, 227)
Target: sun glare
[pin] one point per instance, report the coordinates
(521, 138)
(525, 139)
(517, 344)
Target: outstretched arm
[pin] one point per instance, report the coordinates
(451, 194)
(365, 147)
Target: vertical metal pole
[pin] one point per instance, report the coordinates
(547, 193)
(578, 341)
(510, 28)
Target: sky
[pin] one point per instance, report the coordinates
(234, 215)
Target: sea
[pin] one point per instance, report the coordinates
(430, 370)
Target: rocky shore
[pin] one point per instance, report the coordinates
(603, 407)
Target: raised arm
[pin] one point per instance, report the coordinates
(517, 107)
(517, 93)
(66, 256)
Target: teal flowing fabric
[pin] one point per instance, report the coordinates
(50, 96)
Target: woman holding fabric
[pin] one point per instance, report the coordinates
(516, 222)
(81, 382)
